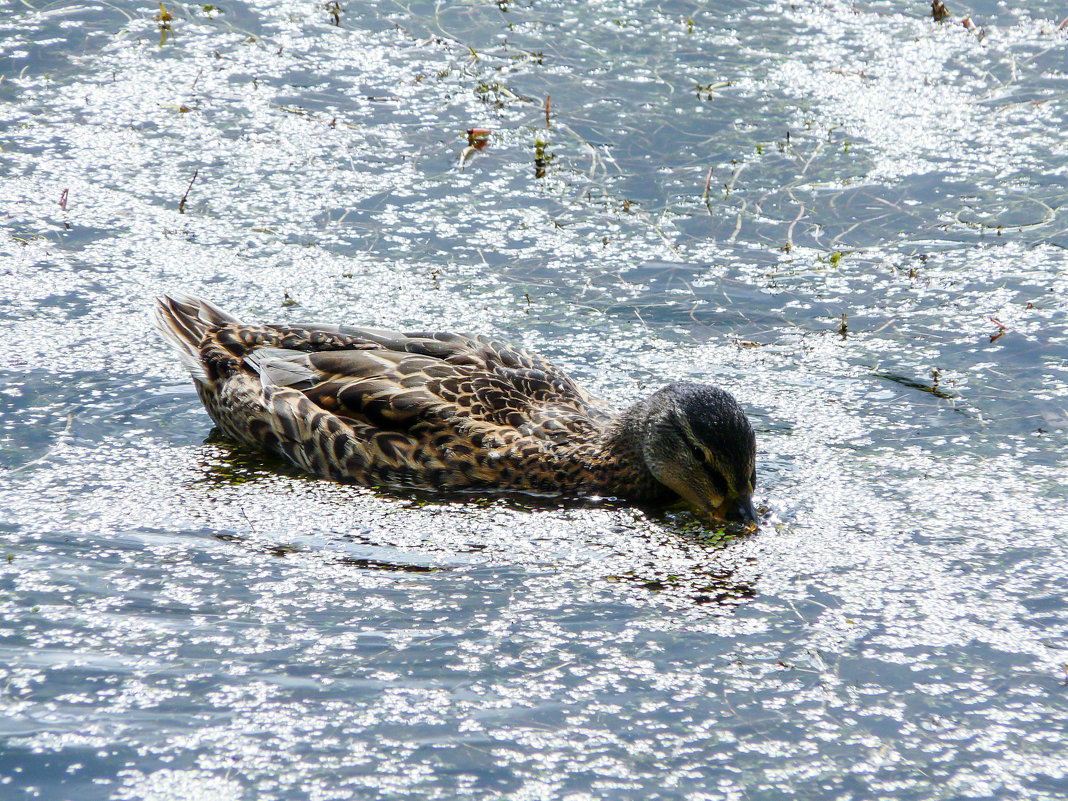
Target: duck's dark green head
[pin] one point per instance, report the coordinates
(699, 443)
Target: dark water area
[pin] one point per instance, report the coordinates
(667, 192)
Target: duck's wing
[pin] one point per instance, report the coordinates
(394, 380)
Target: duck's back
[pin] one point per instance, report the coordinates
(416, 409)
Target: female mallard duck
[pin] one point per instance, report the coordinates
(452, 412)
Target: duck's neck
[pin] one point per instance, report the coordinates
(625, 472)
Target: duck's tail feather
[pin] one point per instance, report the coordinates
(183, 321)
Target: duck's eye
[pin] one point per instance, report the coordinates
(698, 454)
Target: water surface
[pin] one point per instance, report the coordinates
(713, 190)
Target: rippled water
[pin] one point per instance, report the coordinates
(716, 187)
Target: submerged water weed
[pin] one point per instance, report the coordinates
(164, 18)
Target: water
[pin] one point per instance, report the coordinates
(182, 618)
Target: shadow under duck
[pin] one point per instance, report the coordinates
(444, 411)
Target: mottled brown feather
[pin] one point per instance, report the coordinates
(420, 409)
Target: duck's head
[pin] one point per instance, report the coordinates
(697, 441)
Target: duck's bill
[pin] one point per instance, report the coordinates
(739, 510)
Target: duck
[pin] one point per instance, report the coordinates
(452, 412)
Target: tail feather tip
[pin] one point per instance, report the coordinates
(183, 321)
